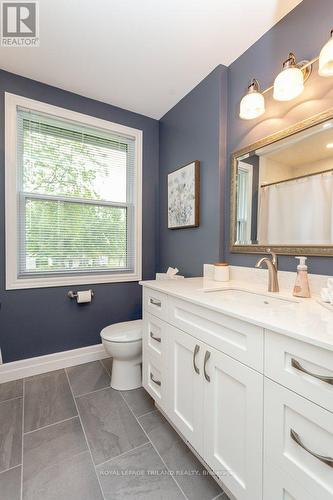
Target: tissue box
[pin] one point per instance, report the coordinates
(165, 276)
(171, 274)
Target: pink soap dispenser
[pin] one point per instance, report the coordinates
(301, 288)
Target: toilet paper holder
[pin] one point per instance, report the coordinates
(73, 294)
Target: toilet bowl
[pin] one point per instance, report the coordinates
(123, 342)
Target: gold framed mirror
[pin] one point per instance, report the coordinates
(282, 191)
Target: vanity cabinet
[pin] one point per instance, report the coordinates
(213, 400)
(255, 405)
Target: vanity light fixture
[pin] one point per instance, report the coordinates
(288, 84)
(253, 103)
(330, 145)
(326, 59)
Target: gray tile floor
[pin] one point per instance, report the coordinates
(67, 435)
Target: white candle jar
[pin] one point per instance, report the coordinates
(221, 271)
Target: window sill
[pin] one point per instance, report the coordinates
(50, 282)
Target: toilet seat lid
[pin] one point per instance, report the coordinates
(128, 331)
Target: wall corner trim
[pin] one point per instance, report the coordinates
(50, 362)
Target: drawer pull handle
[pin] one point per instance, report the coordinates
(207, 356)
(298, 366)
(196, 350)
(326, 460)
(158, 339)
(155, 302)
(157, 382)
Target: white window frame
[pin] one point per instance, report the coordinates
(13, 282)
(245, 167)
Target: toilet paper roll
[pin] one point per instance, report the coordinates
(83, 296)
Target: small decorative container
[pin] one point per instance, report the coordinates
(221, 271)
(208, 271)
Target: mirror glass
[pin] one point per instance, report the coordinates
(284, 194)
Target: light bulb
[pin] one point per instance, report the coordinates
(290, 82)
(326, 59)
(253, 103)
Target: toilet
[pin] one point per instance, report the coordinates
(123, 342)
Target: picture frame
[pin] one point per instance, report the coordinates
(184, 196)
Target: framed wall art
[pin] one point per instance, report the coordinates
(184, 196)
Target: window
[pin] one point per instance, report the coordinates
(244, 203)
(73, 197)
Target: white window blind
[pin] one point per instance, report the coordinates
(76, 197)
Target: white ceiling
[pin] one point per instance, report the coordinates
(141, 55)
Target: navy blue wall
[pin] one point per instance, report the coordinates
(303, 31)
(193, 130)
(42, 321)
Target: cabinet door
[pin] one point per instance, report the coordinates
(185, 387)
(280, 485)
(299, 440)
(233, 416)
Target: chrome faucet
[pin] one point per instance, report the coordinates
(272, 266)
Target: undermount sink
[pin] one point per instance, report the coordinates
(250, 298)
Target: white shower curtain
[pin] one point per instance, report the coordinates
(296, 212)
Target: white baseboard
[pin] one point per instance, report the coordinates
(42, 364)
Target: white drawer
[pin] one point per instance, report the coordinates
(236, 338)
(153, 380)
(154, 335)
(285, 358)
(279, 485)
(155, 303)
(298, 435)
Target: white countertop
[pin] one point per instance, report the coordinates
(303, 319)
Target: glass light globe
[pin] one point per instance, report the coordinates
(252, 105)
(326, 59)
(288, 84)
